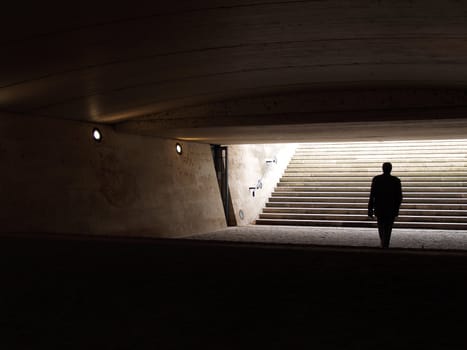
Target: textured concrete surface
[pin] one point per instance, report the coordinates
(56, 179)
(236, 62)
(341, 236)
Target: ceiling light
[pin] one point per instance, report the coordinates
(97, 135)
(178, 148)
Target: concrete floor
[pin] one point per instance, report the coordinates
(61, 292)
(340, 236)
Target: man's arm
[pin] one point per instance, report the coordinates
(371, 201)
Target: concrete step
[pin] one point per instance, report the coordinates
(366, 178)
(379, 156)
(366, 194)
(366, 189)
(339, 183)
(363, 205)
(362, 211)
(363, 223)
(363, 199)
(401, 161)
(369, 174)
(385, 144)
(350, 217)
(419, 154)
(345, 147)
(376, 168)
(428, 153)
(377, 163)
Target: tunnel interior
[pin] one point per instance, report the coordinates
(108, 115)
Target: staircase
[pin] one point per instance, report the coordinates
(328, 184)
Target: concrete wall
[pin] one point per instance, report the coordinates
(247, 165)
(56, 179)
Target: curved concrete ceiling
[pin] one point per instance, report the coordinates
(131, 63)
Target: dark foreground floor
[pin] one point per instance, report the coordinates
(142, 294)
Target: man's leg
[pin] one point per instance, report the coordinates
(387, 229)
(381, 231)
(384, 230)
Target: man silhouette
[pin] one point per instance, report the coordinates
(385, 201)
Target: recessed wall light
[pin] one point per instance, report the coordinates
(178, 148)
(97, 135)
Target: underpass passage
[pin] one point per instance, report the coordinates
(328, 184)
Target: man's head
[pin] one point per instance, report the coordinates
(387, 167)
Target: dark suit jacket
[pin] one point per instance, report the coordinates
(385, 196)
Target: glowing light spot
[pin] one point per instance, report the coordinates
(97, 135)
(178, 148)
